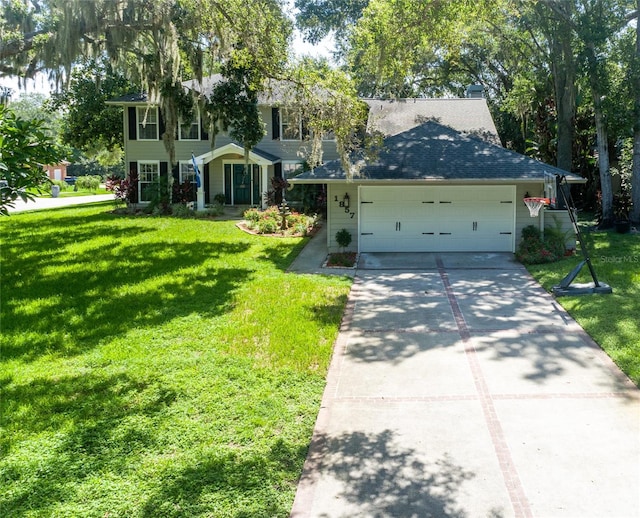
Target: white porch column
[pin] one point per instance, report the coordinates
(265, 187)
(200, 192)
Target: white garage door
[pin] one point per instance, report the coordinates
(437, 219)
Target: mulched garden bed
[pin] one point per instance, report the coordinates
(244, 226)
(341, 260)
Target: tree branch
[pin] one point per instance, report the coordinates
(18, 46)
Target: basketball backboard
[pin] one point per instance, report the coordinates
(551, 189)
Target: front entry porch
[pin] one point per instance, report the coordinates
(241, 182)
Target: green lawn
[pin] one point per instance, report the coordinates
(80, 192)
(612, 320)
(156, 367)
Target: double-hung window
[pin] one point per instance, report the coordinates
(328, 136)
(187, 187)
(290, 124)
(148, 180)
(147, 123)
(187, 173)
(190, 130)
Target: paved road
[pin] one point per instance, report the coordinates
(54, 203)
(460, 388)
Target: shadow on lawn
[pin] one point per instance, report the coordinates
(111, 289)
(218, 481)
(282, 254)
(56, 232)
(104, 424)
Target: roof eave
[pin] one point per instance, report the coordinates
(472, 181)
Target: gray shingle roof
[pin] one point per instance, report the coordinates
(433, 152)
(130, 98)
(266, 155)
(276, 92)
(468, 116)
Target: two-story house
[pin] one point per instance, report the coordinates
(281, 153)
(441, 180)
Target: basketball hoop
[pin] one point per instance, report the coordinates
(535, 204)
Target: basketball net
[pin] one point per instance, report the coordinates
(535, 204)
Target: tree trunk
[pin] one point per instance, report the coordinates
(564, 76)
(596, 82)
(603, 161)
(635, 169)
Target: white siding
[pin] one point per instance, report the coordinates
(338, 218)
(523, 218)
(136, 150)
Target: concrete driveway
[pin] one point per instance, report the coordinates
(460, 388)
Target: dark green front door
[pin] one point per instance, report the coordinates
(241, 185)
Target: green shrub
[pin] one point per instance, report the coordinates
(88, 182)
(271, 220)
(533, 249)
(272, 212)
(210, 211)
(531, 232)
(181, 210)
(252, 215)
(555, 240)
(219, 199)
(300, 229)
(296, 219)
(267, 226)
(343, 237)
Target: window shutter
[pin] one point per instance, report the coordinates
(204, 135)
(175, 172)
(133, 123)
(161, 125)
(133, 171)
(133, 179)
(305, 130)
(275, 123)
(164, 169)
(277, 173)
(207, 183)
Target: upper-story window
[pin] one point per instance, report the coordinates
(290, 124)
(147, 123)
(190, 130)
(328, 135)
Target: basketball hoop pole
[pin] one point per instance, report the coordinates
(565, 288)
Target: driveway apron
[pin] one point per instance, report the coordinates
(460, 388)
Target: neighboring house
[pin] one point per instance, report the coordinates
(57, 171)
(281, 153)
(441, 182)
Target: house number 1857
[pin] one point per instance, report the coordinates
(341, 203)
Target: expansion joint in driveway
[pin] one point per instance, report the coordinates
(510, 475)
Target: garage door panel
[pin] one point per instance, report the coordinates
(451, 218)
